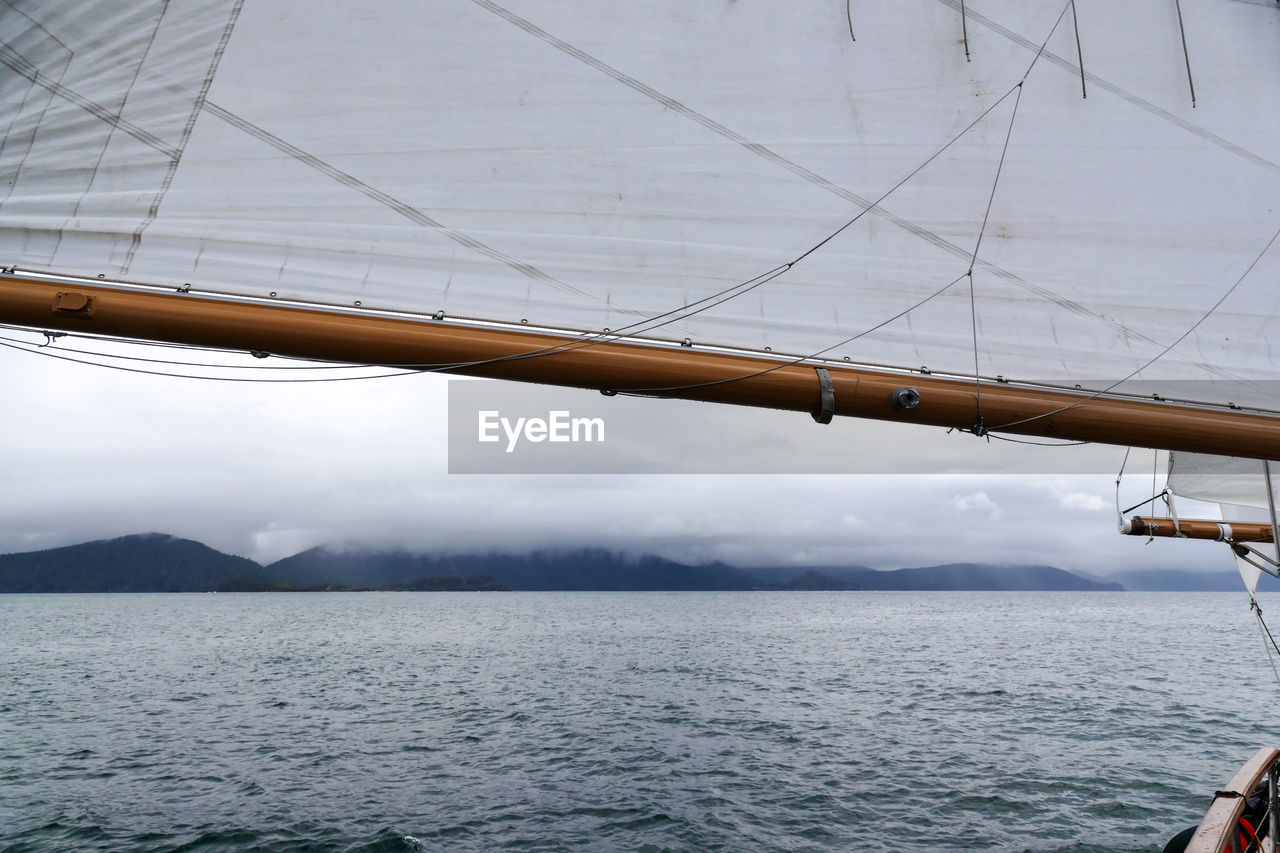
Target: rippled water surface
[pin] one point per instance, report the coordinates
(625, 721)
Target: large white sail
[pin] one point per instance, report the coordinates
(588, 165)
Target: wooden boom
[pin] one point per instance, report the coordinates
(1191, 528)
(611, 364)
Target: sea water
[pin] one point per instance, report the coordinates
(622, 721)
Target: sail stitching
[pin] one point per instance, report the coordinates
(111, 130)
(4, 143)
(978, 427)
(1205, 316)
(1141, 103)
(799, 359)
(411, 213)
(293, 151)
(20, 65)
(65, 61)
(814, 178)
(525, 268)
(649, 323)
(185, 137)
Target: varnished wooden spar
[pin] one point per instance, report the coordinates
(1193, 528)
(723, 377)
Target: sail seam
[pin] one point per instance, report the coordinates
(111, 131)
(1061, 62)
(64, 62)
(185, 137)
(812, 177)
(19, 65)
(409, 212)
(1203, 317)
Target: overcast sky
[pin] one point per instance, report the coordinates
(266, 470)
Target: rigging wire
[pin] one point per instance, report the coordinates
(1213, 308)
(649, 323)
(1185, 53)
(123, 368)
(978, 428)
(1155, 468)
(744, 287)
(848, 13)
(1266, 636)
(1075, 22)
(737, 290)
(1119, 477)
(1044, 44)
(1016, 90)
(1013, 440)
(645, 392)
(964, 32)
(121, 357)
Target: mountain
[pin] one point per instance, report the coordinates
(148, 562)
(598, 569)
(1164, 580)
(586, 569)
(973, 576)
(952, 577)
(155, 562)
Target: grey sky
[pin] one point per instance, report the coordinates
(265, 470)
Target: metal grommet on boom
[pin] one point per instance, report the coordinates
(827, 406)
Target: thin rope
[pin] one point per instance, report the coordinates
(189, 363)
(1155, 468)
(913, 173)
(120, 367)
(1271, 505)
(1266, 635)
(1014, 90)
(848, 13)
(964, 31)
(737, 290)
(134, 342)
(1207, 314)
(706, 303)
(649, 324)
(979, 428)
(1013, 440)
(1075, 22)
(1185, 53)
(645, 392)
(1119, 477)
(1045, 43)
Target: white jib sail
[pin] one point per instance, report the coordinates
(1239, 488)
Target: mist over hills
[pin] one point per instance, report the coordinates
(156, 562)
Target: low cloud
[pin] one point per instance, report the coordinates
(977, 501)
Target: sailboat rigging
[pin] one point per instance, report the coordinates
(950, 220)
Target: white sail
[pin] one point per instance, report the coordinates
(1240, 489)
(590, 165)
